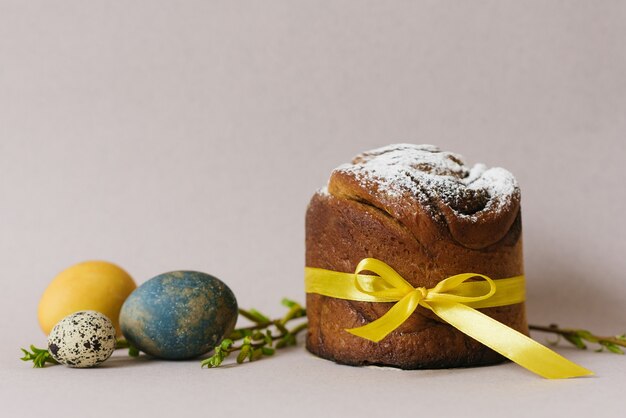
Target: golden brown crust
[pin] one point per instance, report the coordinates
(417, 237)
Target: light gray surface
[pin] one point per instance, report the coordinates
(163, 136)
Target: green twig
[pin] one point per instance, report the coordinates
(41, 356)
(577, 338)
(122, 343)
(262, 338)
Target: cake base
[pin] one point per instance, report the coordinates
(340, 232)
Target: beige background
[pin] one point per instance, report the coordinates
(190, 135)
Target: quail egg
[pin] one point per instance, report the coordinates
(82, 339)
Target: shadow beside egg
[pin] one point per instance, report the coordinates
(124, 360)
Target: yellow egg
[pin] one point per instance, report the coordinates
(91, 285)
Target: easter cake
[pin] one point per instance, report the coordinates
(428, 216)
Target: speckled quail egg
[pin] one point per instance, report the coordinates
(82, 339)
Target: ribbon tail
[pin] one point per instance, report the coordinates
(510, 343)
(400, 312)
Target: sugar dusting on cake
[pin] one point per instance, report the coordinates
(432, 175)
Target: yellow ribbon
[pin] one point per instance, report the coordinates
(453, 300)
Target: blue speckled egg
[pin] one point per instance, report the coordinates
(179, 315)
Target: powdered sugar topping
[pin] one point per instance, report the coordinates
(433, 176)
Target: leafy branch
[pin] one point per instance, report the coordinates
(578, 337)
(41, 356)
(261, 339)
(132, 350)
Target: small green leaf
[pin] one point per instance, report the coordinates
(268, 351)
(294, 312)
(254, 316)
(226, 344)
(243, 354)
(258, 316)
(576, 340)
(212, 361)
(288, 303)
(586, 335)
(613, 348)
(133, 351)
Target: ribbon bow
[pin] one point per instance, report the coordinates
(453, 300)
(392, 287)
